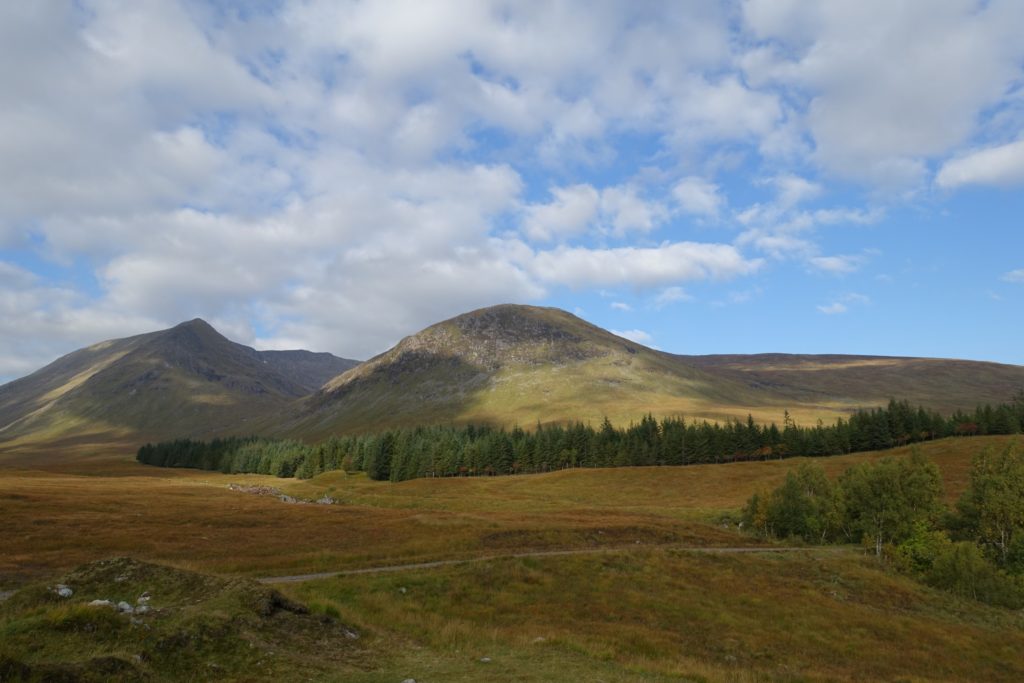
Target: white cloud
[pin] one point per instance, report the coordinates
(783, 228)
(726, 109)
(670, 295)
(621, 306)
(875, 111)
(836, 265)
(638, 336)
(698, 196)
(570, 212)
(641, 267)
(856, 298)
(843, 303)
(833, 308)
(1001, 165)
(1014, 276)
(793, 190)
(617, 210)
(13, 276)
(626, 211)
(340, 174)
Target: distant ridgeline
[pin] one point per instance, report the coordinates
(445, 451)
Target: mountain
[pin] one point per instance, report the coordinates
(521, 364)
(309, 369)
(185, 381)
(504, 365)
(514, 364)
(940, 384)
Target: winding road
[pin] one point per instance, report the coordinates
(298, 578)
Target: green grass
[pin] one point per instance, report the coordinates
(678, 614)
(198, 627)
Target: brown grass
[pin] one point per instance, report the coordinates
(73, 512)
(642, 615)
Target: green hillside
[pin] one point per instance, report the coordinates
(504, 365)
(523, 365)
(188, 380)
(520, 364)
(936, 383)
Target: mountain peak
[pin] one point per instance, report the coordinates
(195, 322)
(471, 349)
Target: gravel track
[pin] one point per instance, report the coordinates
(298, 578)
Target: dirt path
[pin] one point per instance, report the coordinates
(298, 578)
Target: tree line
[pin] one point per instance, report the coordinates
(894, 506)
(472, 450)
(230, 455)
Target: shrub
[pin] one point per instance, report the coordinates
(963, 569)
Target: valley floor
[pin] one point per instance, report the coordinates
(642, 608)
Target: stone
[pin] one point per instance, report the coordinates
(101, 603)
(485, 660)
(125, 608)
(64, 591)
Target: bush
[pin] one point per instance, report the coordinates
(962, 568)
(806, 506)
(917, 554)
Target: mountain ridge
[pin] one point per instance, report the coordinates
(502, 365)
(185, 380)
(514, 364)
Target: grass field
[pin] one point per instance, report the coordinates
(650, 612)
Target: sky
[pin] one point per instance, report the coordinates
(734, 177)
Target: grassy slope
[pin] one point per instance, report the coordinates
(188, 380)
(87, 509)
(647, 614)
(522, 365)
(678, 614)
(197, 627)
(940, 384)
(502, 365)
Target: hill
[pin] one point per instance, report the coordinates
(939, 384)
(515, 364)
(185, 381)
(502, 365)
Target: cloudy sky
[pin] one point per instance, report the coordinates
(751, 176)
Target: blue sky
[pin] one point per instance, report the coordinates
(734, 177)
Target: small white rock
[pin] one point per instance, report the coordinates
(101, 603)
(125, 607)
(485, 660)
(64, 591)
(142, 609)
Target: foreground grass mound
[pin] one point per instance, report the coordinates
(675, 615)
(124, 620)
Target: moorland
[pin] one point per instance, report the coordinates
(582, 573)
